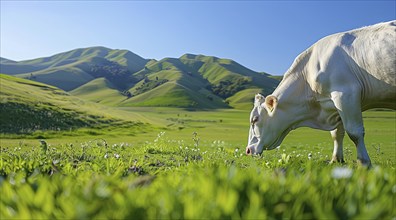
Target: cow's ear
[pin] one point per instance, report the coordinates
(271, 102)
(258, 99)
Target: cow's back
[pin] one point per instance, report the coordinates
(364, 57)
(374, 50)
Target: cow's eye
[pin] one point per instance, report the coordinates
(254, 120)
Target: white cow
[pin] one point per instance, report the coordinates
(327, 87)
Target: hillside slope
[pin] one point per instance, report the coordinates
(27, 106)
(197, 81)
(122, 78)
(168, 83)
(99, 90)
(74, 68)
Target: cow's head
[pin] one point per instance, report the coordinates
(268, 125)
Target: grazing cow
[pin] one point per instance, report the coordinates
(327, 87)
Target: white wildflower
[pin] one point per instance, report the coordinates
(341, 173)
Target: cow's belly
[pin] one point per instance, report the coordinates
(378, 94)
(379, 103)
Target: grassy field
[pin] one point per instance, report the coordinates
(228, 126)
(191, 164)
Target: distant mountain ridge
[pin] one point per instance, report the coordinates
(122, 78)
(74, 68)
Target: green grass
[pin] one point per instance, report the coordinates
(180, 174)
(230, 126)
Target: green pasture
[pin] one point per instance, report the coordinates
(228, 126)
(192, 165)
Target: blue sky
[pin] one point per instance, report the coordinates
(261, 35)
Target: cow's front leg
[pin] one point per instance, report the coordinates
(338, 137)
(348, 105)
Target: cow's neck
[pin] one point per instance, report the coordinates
(295, 95)
(293, 86)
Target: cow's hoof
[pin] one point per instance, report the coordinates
(336, 160)
(364, 163)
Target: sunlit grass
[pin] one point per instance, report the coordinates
(166, 178)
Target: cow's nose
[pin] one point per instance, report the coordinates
(248, 152)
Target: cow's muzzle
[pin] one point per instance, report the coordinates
(248, 151)
(251, 149)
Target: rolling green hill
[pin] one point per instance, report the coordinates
(27, 106)
(99, 90)
(71, 69)
(197, 81)
(122, 78)
(169, 83)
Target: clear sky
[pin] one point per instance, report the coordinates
(261, 35)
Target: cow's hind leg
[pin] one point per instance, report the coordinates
(338, 137)
(348, 105)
